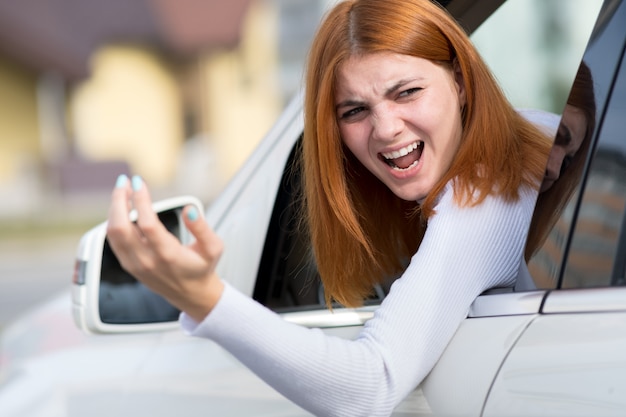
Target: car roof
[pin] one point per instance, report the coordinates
(471, 13)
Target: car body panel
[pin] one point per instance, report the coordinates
(564, 365)
(459, 384)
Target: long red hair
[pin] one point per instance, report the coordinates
(361, 232)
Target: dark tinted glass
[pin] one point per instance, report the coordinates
(595, 256)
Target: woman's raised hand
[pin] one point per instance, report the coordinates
(184, 275)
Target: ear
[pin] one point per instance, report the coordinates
(460, 82)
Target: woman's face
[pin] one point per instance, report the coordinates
(568, 140)
(401, 117)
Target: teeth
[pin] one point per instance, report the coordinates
(407, 168)
(402, 152)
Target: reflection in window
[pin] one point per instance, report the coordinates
(598, 245)
(594, 246)
(555, 212)
(593, 258)
(544, 266)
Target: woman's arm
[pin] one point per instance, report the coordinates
(464, 252)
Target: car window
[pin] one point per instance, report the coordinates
(288, 277)
(597, 252)
(583, 248)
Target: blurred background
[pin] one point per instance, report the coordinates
(177, 91)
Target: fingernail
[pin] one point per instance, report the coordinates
(121, 181)
(136, 182)
(192, 214)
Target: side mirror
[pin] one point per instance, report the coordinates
(106, 298)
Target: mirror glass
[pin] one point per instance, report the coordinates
(123, 299)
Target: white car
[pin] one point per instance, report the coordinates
(555, 348)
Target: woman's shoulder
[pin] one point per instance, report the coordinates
(547, 121)
(492, 204)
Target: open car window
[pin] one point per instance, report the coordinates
(534, 47)
(288, 277)
(549, 43)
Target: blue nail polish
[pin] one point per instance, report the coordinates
(121, 181)
(136, 182)
(192, 214)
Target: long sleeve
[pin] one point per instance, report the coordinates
(464, 252)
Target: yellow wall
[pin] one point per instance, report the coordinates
(19, 136)
(243, 98)
(130, 109)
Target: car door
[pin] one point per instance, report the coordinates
(571, 359)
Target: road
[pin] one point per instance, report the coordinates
(32, 271)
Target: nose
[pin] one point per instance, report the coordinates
(555, 160)
(386, 122)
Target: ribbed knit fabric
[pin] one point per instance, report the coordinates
(465, 251)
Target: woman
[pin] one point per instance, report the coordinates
(566, 161)
(412, 152)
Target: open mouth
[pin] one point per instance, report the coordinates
(404, 158)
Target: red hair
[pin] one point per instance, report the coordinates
(361, 232)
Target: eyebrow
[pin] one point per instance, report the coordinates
(389, 91)
(349, 103)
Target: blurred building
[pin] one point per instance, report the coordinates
(178, 91)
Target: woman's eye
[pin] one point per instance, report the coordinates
(409, 92)
(567, 161)
(352, 112)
